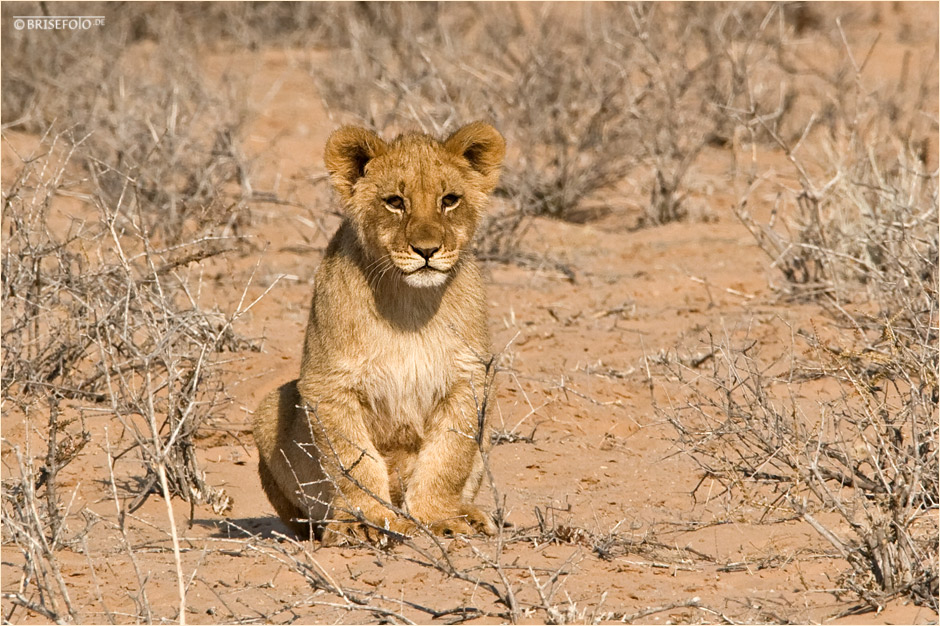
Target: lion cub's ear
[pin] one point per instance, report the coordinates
(483, 148)
(348, 150)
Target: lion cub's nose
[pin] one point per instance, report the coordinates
(426, 252)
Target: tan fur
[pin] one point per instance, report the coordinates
(394, 356)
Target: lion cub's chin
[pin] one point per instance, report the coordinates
(425, 277)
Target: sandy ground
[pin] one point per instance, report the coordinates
(594, 458)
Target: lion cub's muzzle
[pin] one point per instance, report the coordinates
(425, 265)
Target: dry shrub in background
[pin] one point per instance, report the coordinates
(588, 97)
(846, 437)
(863, 215)
(50, 67)
(138, 114)
(566, 128)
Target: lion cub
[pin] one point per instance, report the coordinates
(393, 368)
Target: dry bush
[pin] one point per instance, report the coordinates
(106, 307)
(139, 113)
(95, 310)
(235, 25)
(406, 66)
(106, 226)
(698, 61)
(873, 231)
(38, 71)
(850, 430)
(864, 211)
(33, 517)
(69, 282)
(178, 142)
(588, 98)
(574, 132)
(26, 528)
(864, 448)
(869, 222)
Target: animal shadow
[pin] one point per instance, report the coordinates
(245, 527)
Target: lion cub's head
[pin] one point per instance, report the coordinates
(415, 202)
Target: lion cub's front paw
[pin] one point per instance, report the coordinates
(479, 519)
(468, 520)
(451, 527)
(346, 533)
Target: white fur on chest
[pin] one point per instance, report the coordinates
(408, 374)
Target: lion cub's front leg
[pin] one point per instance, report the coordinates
(437, 493)
(357, 470)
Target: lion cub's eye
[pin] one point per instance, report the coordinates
(395, 203)
(450, 201)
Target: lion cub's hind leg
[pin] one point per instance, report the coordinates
(288, 463)
(289, 513)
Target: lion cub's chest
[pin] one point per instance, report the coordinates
(405, 379)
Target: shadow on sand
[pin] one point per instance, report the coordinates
(245, 527)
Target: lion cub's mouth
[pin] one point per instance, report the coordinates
(426, 276)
